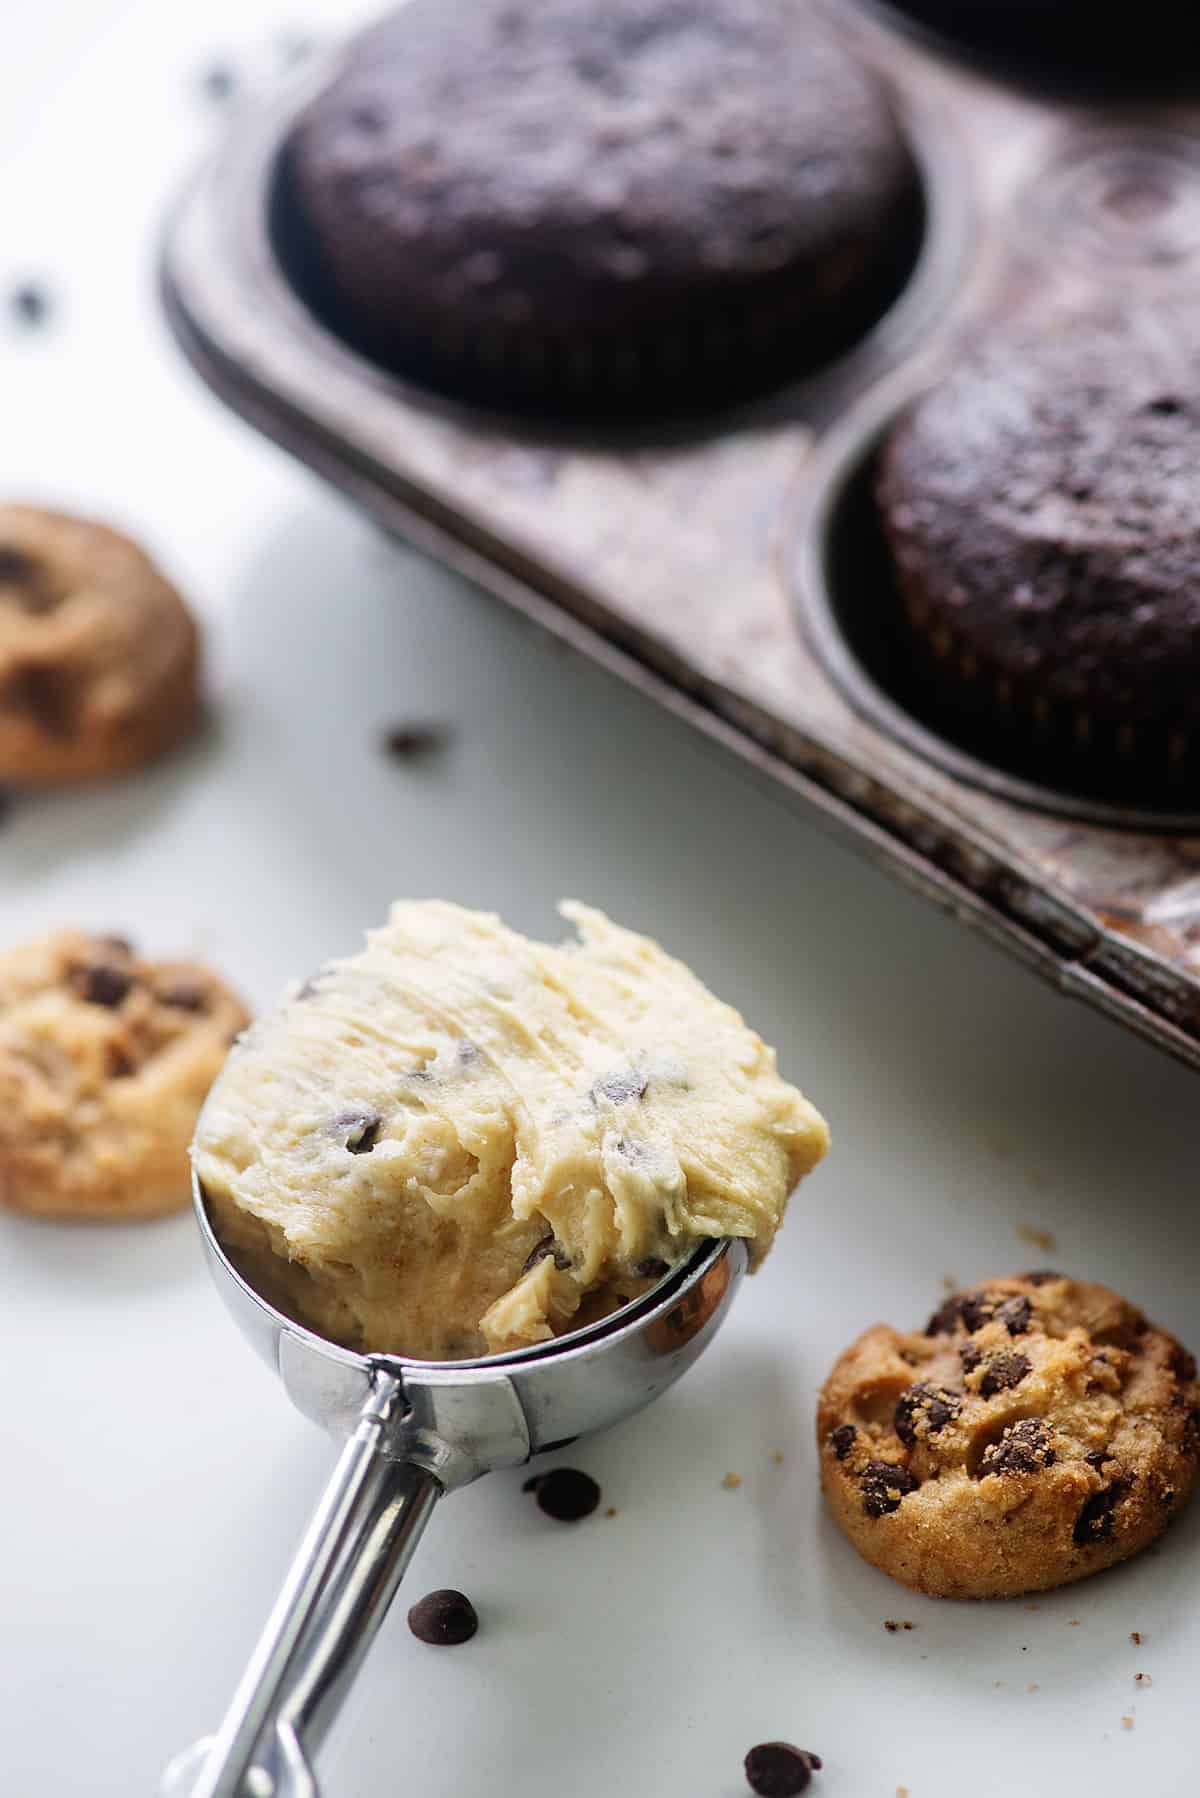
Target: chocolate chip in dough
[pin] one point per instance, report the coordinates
(778, 1770)
(1003, 1372)
(620, 1088)
(1095, 1521)
(102, 983)
(652, 1268)
(564, 1493)
(1023, 1448)
(546, 1247)
(184, 995)
(443, 1619)
(842, 1440)
(1016, 1315)
(1041, 1276)
(358, 1129)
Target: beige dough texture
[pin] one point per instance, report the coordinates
(461, 1142)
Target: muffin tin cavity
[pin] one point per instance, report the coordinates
(1129, 202)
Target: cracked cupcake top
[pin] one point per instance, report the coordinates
(1037, 1429)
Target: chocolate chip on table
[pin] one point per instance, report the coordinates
(564, 1493)
(842, 1440)
(1023, 1448)
(884, 1486)
(102, 983)
(218, 83)
(1003, 1372)
(29, 303)
(925, 1403)
(778, 1770)
(443, 1619)
(409, 742)
(359, 1130)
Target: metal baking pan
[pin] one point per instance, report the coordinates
(703, 567)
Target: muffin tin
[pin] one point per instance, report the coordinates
(731, 571)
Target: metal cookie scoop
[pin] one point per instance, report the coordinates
(413, 1430)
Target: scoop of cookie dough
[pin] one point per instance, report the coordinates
(459, 1141)
(104, 1063)
(99, 656)
(1037, 1430)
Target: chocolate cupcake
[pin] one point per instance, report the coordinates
(584, 207)
(1040, 506)
(1077, 41)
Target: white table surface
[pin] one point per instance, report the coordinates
(154, 1478)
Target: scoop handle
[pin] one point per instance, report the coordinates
(337, 1592)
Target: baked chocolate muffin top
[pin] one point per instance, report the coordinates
(542, 170)
(1041, 504)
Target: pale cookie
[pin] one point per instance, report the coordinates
(105, 1060)
(99, 656)
(1038, 1430)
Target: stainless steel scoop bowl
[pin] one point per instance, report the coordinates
(413, 1430)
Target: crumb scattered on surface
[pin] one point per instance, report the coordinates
(1142, 1679)
(732, 1481)
(1135, 1636)
(777, 1457)
(412, 742)
(1126, 1722)
(611, 1511)
(1073, 1623)
(949, 1283)
(1033, 1607)
(1032, 1688)
(1039, 1239)
(901, 1792)
(892, 1624)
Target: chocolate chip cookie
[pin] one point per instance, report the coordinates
(1037, 1430)
(105, 1060)
(99, 656)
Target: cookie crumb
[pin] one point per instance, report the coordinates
(949, 1283)
(1142, 1679)
(732, 1481)
(412, 742)
(901, 1792)
(564, 1493)
(777, 1457)
(1040, 1239)
(1072, 1623)
(611, 1511)
(1135, 1636)
(443, 1619)
(892, 1624)
(1032, 1688)
(778, 1770)
(1126, 1722)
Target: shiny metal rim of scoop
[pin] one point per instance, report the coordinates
(412, 1431)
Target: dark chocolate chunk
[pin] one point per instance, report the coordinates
(564, 1493)
(547, 1246)
(1095, 1521)
(842, 1440)
(924, 1403)
(884, 1485)
(102, 983)
(620, 1087)
(409, 742)
(778, 1770)
(978, 1308)
(185, 995)
(443, 1618)
(1024, 1448)
(970, 1355)
(946, 1318)
(1183, 1365)
(1003, 1372)
(359, 1129)
(1016, 1315)
(1097, 1458)
(16, 568)
(466, 1054)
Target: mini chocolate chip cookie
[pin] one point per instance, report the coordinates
(105, 1060)
(99, 656)
(1037, 1430)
